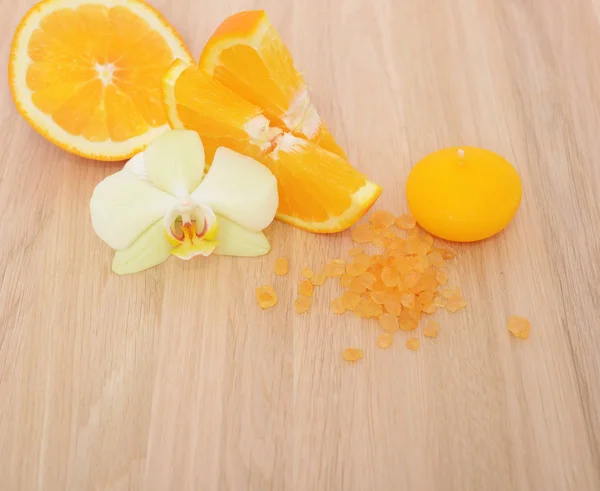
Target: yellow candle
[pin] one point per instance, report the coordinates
(463, 194)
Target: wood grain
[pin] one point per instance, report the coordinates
(174, 380)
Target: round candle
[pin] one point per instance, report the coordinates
(463, 194)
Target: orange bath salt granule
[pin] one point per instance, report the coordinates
(414, 314)
(355, 251)
(382, 219)
(384, 340)
(350, 300)
(378, 297)
(406, 222)
(307, 273)
(432, 329)
(337, 306)
(408, 325)
(359, 265)
(377, 231)
(346, 280)
(337, 267)
(378, 286)
(402, 266)
(368, 308)
(411, 280)
(425, 299)
(362, 234)
(352, 354)
(318, 278)
(408, 300)
(302, 304)
(281, 266)
(376, 268)
(413, 344)
(375, 309)
(446, 254)
(429, 309)
(455, 304)
(389, 322)
(442, 276)
(519, 327)
(421, 264)
(436, 259)
(409, 320)
(266, 296)
(427, 239)
(440, 301)
(357, 286)
(362, 259)
(361, 310)
(427, 281)
(423, 249)
(451, 292)
(306, 288)
(393, 244)
(393, 303)
(413, 233)
(379, 242)
(364, 308)
(455, 300)
(367, 279)
(411, 245)
(390, 277)
(412, 260)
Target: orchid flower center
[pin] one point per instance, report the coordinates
(191, 228)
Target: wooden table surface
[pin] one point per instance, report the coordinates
(173, 379)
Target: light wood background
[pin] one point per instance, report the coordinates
(175, 380)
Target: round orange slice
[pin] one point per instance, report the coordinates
(86, 74)
(247, 55)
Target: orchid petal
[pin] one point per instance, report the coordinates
(235, 240)
(150, 249)
(123, 206)
(213, 226)
(239, 188)
(137, 166)
(175, 162)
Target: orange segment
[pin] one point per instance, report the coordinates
(318, 190)
(87, 74)
(247, 55)
(193, 100)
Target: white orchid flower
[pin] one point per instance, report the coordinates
(162, 204)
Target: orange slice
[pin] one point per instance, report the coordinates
(195, 101)
(319, 191)
(247, 55)
(87, 74)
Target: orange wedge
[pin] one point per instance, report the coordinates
(247, 55)
(86, 74)
(319, 190)
(195, 101)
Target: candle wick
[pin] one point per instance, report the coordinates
(461, 153)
